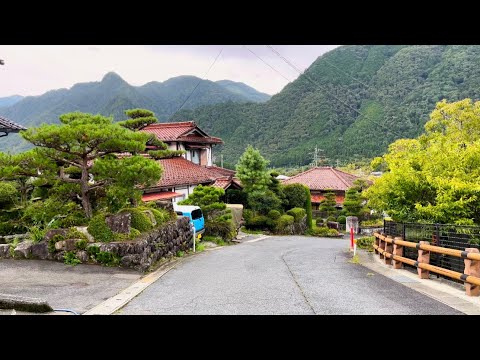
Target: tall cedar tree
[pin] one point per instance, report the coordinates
(252, 171)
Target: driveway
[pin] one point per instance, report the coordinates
(279, 275)
(77, 288)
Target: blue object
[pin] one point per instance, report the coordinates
(194, 213)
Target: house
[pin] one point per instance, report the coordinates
(183, 173)
(186, 136)
(321, 179)
(7, 126)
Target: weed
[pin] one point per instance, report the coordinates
(180, 253)
(354, 260)
(70, 258)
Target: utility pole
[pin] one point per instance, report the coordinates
(318, 157)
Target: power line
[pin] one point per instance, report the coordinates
(328, 93)
(199, 81)
(270, 66)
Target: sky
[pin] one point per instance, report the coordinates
(35, 69)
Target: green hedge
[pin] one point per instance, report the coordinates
(140, 220)
(258, 222)
(324, 231)
(283, 222)
(365, 242)
(274, 214)
(342, 219)
(99, 229)
(297, 213)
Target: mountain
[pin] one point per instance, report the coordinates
(351, 102)
(10, 100)
(113, 95)
(244, 90)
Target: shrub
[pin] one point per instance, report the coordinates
(180, 253)
(70, 258)
(75, 234)
(297, 213)
(319, 222)
(36, 234)
(12, 228)
(308, 207)
(373, 222)
(92, 251)
(247, 214)
(332, 218)
(366, 242)
(161, 215)
(342, 219)
(140, 220)
(221, 226)
(99, 229)
(263, 201)
(324, 231)
(285, 220)
(274, 214)
(81, 245)
(295, 195)
(107, 259)
(134, 233)
(257, 222)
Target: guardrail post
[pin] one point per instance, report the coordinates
(377, 243)
(381, 245)
(397, 250)
(388, 248)
(472, 267)
(423, 258)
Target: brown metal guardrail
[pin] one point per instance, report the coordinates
(471, 276)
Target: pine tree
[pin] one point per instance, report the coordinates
(252, 171)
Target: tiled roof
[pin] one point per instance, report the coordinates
(178, 131)
(317, 198)
(165, 195)
(223, 182)
(323, 178)
(10, 126)
(178, 171)
(221, 171)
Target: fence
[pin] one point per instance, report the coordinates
(450, 251)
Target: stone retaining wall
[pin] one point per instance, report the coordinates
(139, 254)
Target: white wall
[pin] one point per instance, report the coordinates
(185, 190)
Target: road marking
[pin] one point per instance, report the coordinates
(254, 240)
(116, 302)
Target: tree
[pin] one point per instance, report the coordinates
(308, 207)
(252, 171)
(208, 198)
(353, 202)
(87, 143)
(434, 177)
(295, 196)
(263, 201)
(328, 204)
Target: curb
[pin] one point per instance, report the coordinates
(21, 303)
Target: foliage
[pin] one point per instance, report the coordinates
(353, 202)
(284, 221)
(365, 242)
(233, 196)
(8, 194)
(139, 220)
(263, 201)
(87, 142)
(107, 259)
(92, 251)
(11, 228)
(208, 198)
(332, 218)
(161, 215)
(372, 222)
(134, 233)
(433, 178)
(258, 222)
(308, 207)
(274, 214)
(342, 219)
(61, 212)
(139, 118)
(328, 204)
(199, 247)
(81, 245)
(319, 222)
(324, 232)
(99, 229)
(215, 239)
(221, 226)
(36, 234)
(297, 213)
(180, 253)
(250, 231)
(70, 258)
(252, 171)
(295, 195)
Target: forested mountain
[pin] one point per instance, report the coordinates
(10, 100)
(113, 95)
(351, 102)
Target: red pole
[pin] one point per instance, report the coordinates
(351, 237)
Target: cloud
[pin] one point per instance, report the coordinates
(33, 70)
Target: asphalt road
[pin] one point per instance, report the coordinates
(78, 288)
(279, 275)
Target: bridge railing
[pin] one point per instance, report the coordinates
(392, 250)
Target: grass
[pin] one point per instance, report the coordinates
(180, 253)
(199, 247)
(354, 260)
(255, 232)
(216, 239)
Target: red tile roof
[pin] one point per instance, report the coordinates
(323, 178)
(221, 171)
(179, 171)
(165, 195)
(317, 198)
(178, 131)
(223, 182)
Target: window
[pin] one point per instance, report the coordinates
(195, 157)
(196, 214)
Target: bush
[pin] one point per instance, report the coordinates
(75, 234)
(247, 214)
(134, 233)
(319, 222)
(373, 222)
(140, 220)
(285, 220)
(274, 214)
(297, 213)
(99, 229)
(107, 259)
(332, 218)
(324, 231)
(366, 242)
(81, 245)
(221, 226)
(263, 201)
(342, 219)
(36, 234)
(11, 228)
(308, 207)
(295, 195)
(70, 258)
(92, 251)
(161, 215)
(257, 222)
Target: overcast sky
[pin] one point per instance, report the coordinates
(33, 70)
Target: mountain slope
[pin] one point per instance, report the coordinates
(112, 96)
(244, 90)
(10, 100)
(351, 102)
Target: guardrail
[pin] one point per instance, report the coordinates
(391, 251)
